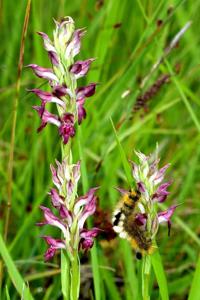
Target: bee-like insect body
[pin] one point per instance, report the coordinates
(124, 223)
(129, 200)
(125, 207)
(137, 236)
(117, 218)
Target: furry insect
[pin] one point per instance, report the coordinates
(126, 224)
(125, 207)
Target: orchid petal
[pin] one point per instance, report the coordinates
(165, 216)
(43, 72)
(86, 91)
(73, 47)
(56, 199)
(46, 117)
(47, 97)
(67, 129)
(51, 219)
(81, 67)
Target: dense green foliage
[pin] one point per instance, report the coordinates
(127, 38)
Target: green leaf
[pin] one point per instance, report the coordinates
(65, 275)
(125, 163)
(160, 275)
(94, 256)
(14, 274)
(7, 294)
(195, 290)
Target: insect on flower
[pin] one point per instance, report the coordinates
(127, 223)
(135, 217)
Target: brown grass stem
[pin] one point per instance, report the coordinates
(14, 119)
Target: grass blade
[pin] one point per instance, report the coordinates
(160, 275)
(195, 291)
(125, 163)
(15, 276)
(94, 256)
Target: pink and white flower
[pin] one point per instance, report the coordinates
(72, 213)
(62, 78)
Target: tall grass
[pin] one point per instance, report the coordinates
(127, 40)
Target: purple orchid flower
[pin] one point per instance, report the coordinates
(66, 128)
(54, 245)
(87, 238)
(65, 123)
(47, 97)
(161, 193)
(146, 217)
(63, 78)
(46, 117)
(81, 67)
(165, 216)
(43, 72)
(71, 213)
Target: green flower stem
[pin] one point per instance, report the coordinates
(70, 265)
(65, 259)
(146, 271)
(75, 277)
(65, 275)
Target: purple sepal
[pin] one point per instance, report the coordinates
(81, 93)
(65, 214)
(49, 254)
(87, 237)
(51, 219)
(47, 97)
(122, 191)
(135, 171)
(43, 72)
(81, 110)
(74, 46)
(46, 117)
(159, 175)
(89, 200)
(53, 58)
(54, 245)
(141, 219)
(75, 175)
(55, 177)
(50, 48)
(161, 193)
(141, 187)
(164, 216)
(86, 91)
(59, 90)
(153, 166)
(81, 67)
(67, 129)
(56, 199)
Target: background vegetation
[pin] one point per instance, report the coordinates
(127, 38)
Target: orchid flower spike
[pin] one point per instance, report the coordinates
(62, 77)
(136, 217)
(72, 211)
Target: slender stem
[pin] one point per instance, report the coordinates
(70, 267)
(15, 107)
(146, 269)
(13, 129)
(65, 275)
(75, 277)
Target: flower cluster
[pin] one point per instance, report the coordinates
(72, 210)
(62, 78)
(140, 225)
(149, 179)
